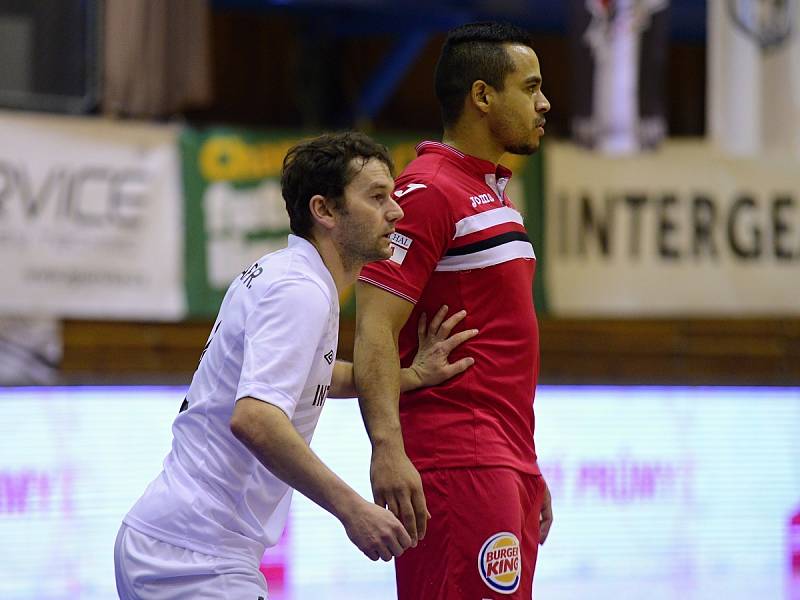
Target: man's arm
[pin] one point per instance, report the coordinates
(430, 365)
(545, 515)
(342, 384)
(396, 484)
(267, 432)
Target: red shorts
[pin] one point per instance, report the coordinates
(482, 538)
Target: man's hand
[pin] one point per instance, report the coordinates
(430, 365)
(376, 532)
(546, 515)
(396, 484)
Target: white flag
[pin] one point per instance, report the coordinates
(753, 103)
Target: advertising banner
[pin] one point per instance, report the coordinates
(658, 493)
(682, 231)
(90, 219)
(235, 212)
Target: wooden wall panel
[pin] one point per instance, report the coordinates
(578, 351)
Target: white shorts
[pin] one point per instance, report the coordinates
(149, 569)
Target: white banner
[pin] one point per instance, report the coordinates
(658, 494)
(90, 218)
(754, 76)
(682, 231)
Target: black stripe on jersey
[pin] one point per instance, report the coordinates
(492, 242)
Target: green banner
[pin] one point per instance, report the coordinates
(234, 211)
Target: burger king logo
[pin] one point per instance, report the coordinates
(500, 562)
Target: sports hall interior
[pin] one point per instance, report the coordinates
(669, 400)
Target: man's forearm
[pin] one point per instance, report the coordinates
(270, 436)
(343, 383)
(377, 377)
(396, 484)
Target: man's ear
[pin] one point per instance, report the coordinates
(481, 95)
(321, 211)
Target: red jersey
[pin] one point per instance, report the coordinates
(462, 243)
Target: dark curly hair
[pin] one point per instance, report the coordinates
(324, 165)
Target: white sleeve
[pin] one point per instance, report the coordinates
(281, 335)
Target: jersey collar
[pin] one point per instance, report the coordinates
(472, 164)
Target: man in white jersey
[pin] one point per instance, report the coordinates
(241, 439)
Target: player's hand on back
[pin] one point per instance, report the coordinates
(396, 484)
(376, 532)
(431, 365)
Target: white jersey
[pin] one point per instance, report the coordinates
(275, 340)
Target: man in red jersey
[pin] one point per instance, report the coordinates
(469, 441)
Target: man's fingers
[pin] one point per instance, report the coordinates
(395, 549)
(422, 327)
(372, 554)
(448, 325)
(385, 553)
(544, 530)
(407, 519)
(546, 516)
(422, 514)
(379, 498)
(457, 339)
(437, 319)
(459, 366)
(409, 523)
(404, 539)
(393, 507)
(395, 541)
(394, 545)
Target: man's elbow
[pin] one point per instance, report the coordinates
(240, 429)
(256, 423)
(243, 420)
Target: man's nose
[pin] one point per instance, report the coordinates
(394, 213)
(543, 105)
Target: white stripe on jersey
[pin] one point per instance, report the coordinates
(387, 288)
(455, 151)
(487, 219)
(488, 257)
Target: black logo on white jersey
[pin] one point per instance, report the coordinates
(329, 357)
(320, 395)
(251, 273)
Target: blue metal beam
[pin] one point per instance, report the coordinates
(389, 74)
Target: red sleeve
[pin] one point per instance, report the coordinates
(421, 239)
